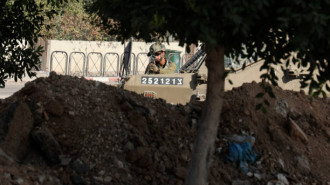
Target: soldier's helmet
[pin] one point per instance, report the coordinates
(155, 47)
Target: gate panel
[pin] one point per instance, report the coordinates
(77, 64)
(94, 64)
(142, 61)
(111, 64)
(59, 62)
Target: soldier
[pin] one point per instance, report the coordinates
(159, 64)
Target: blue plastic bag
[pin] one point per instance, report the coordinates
(241, 153)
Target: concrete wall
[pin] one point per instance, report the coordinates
(87, 47)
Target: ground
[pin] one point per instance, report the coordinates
(69, 130)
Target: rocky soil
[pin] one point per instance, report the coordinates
(69, 130)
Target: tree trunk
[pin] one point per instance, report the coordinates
(208, 125)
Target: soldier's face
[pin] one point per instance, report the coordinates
(159, 55)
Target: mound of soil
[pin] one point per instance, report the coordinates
(69, 130)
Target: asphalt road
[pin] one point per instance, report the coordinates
(10, 89)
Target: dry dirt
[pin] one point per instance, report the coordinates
(68, 130)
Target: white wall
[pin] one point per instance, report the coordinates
(102, 47)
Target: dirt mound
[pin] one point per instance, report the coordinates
(75, 131)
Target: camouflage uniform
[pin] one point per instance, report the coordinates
(168, 68)
(156, 68)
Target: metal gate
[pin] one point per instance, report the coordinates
(77, 64)
(94, 64)
(111, 64)
(59, 62)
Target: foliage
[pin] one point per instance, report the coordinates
(72, 23)
(268, 29)
(20, 24)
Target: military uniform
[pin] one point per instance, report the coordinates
(156, 68)
(168, 68)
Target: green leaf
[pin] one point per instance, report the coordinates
(327, 87)
(225, 74)
(323, 94)
(244, 65)
(303, 84)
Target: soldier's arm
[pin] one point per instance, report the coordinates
(171, 69)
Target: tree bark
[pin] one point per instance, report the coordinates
(208, 126)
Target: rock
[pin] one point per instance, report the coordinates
(6, 175)
(118, 163)
(41, 178)
(55, 108)
(47, 144)
(281, 163)
(303, 164)
(100, 179)
(80, 167)
(71, 113)
(107, 179)
(5, 117)
(39, 111)
(17, 140)
(278, 136)
(46, 116)
(296, 132)
(101, 173)
(19, 181)
(194, 122)
(283, 179)
(128, 147)
(77, 180)
(180, 172)
(257, 175)
(65, 160)
(152, 111)
(281, 107)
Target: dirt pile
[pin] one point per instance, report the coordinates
(68, 130)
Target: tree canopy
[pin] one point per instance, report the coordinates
(71, 23)
(20, 26)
